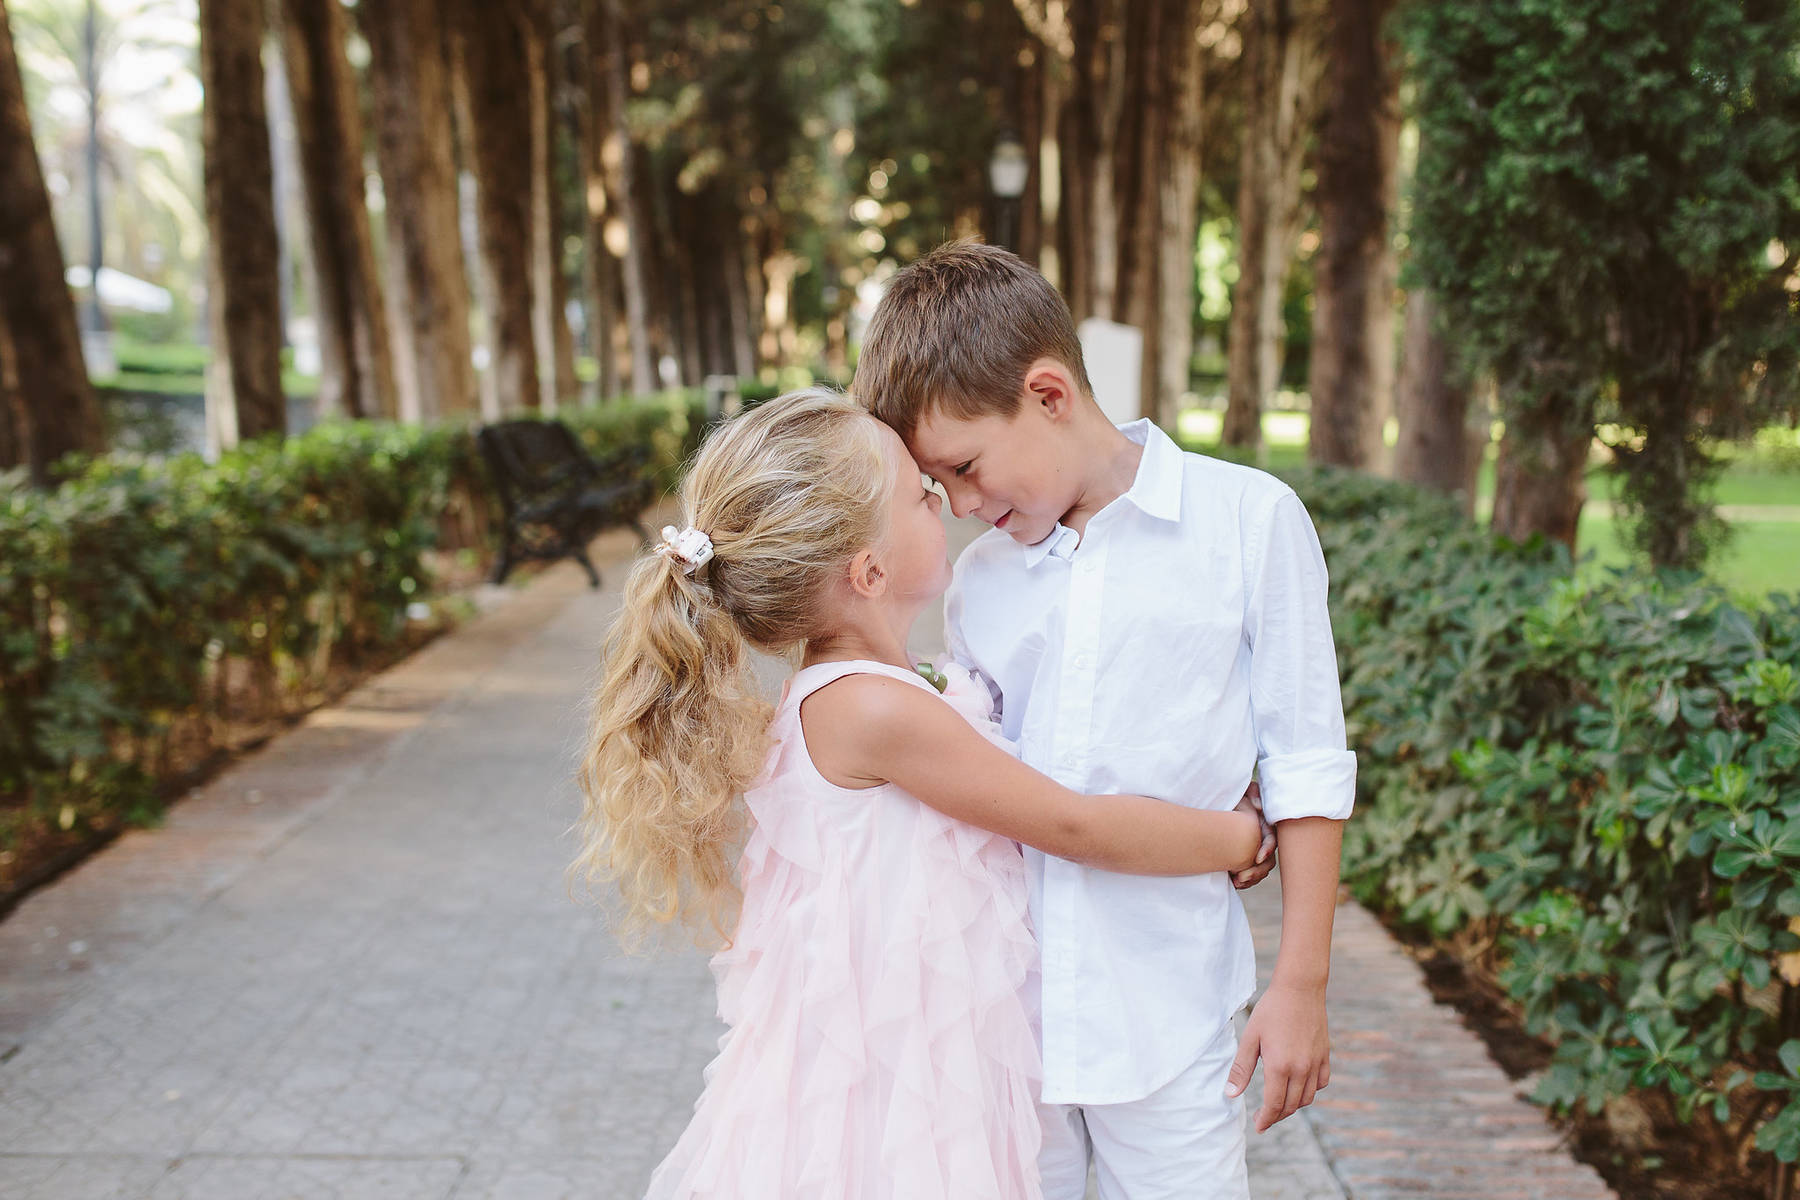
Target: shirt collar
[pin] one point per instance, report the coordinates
(1156, 490)
(1061, 542)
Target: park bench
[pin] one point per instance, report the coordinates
(556, 496)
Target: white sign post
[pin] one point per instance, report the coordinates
(1115, 356)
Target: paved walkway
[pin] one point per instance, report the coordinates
(348, 968)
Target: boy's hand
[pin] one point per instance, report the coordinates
(1265, 854)
(1288, 1031)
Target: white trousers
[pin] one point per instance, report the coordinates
(1184, 1141)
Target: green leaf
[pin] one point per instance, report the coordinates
(1732, 861)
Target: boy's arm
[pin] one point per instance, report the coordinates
(1309, 787)
(1288, 1029)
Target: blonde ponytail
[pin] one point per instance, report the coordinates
(787, 493)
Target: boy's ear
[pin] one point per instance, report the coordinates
(867, 579)
(1050, 388)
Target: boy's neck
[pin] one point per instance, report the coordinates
(1111, 460)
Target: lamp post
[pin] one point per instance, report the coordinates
(1009, 170)
(96, 338)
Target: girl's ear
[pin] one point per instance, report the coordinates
(867, 579)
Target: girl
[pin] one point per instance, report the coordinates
(876, 979)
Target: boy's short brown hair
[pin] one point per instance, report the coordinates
(956, 332)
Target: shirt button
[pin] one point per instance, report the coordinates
(1083, 662)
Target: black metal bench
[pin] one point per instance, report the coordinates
(556, 496)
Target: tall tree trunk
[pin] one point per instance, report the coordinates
(562, 338)
(1352, 377)
(711, 256)
(780, 338)
(1179, 184)
(502, 73)
(1109, 77)
(244, 397)
(1052, 257)
(468, 227)
(599, 269)
(549, 288)
(566, 48)
(840, 116)
(294, 257)
(757, 288)
(667, 331)
(60, 413)
(1031, 135)
(1442, 434)
(599, 280)
(1075, 226)
(600, 272)
(681, 239)
(737, 287)
(1141, 232)
(607, 29)
(649, 230)
(1540, 483)
(13, 448)
(1053, 47)
(550, 284)
(428, 289)
(358, 372)
(1280, 63)
(1138, 159)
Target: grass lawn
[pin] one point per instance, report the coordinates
(1761, 557)
(1763, 474)
(1763, 478)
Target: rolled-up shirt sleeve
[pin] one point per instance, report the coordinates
(1303, 763)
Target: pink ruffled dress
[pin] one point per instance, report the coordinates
(880, 1044)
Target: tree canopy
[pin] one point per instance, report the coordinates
(1610, 213)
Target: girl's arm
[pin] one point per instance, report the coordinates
(866, 730)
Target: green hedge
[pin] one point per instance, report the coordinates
(147, 601)
(179, 369)
(1593, 788)
(178, 358)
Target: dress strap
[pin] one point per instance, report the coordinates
(810, 679)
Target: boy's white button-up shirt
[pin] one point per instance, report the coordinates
(1180, 643)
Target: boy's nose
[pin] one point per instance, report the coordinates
(963, 501)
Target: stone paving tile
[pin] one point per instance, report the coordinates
(203, 1178)
(1416, 1107)
(1287, 1163)
(78, 1177)
(549, 1178)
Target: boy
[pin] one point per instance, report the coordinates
(1154, 622)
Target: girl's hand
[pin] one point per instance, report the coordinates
(1264, 863)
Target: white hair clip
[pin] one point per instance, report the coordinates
(689, 547)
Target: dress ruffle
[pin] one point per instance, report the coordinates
(879, 1046)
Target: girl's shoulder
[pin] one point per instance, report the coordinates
(851, 677)
(877, 700)
(846, 714)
